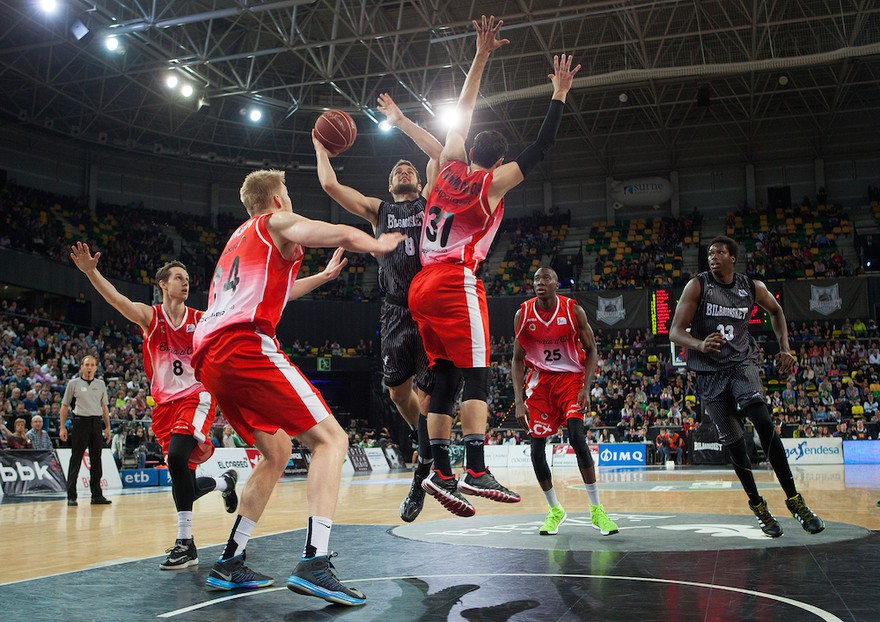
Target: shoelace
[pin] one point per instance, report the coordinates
(764, 515)
(800, 508)
(177, 548)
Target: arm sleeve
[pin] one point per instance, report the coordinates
(534, 153)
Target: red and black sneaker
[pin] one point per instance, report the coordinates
(485, 485)
(445, 490)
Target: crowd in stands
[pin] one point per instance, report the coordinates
(134, 241)
(641, 253)
(799, 241)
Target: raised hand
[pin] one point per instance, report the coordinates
(335, 265)
(387, 107)
(563, 74)
(319, 146)
(83, 258)
(487, 33)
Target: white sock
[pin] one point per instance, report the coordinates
(242, 534)
(318, 536)
(220, 484)
(184, 525)
(550, 495)
(593, 492)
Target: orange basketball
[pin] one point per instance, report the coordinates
(336, 130)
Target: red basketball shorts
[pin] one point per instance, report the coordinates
(552, 399)
(449, 305)
(256, 385)
(192, 415)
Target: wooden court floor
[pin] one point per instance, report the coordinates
(144, 524)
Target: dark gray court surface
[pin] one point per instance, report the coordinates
(578, 575)
(638, 532)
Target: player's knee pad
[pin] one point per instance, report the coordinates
(476, 384)
(759, 415)
(447, 377)
(539, 459)
(179, 449)
(578, 440)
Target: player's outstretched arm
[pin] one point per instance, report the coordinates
(510, 175)
(287, 228)
(306, 284)
(136, 312)
(423, 139)
(487, 42)
(350, 199)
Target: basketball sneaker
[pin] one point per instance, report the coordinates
(445, 490)
(485, 485)
(768, 524)
(600, 520)
(182, 555)
(555, 517)
(415, 500)
(314, 577)
(230, 497)
(804, 515)
(230, 574)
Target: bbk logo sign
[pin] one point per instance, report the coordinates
(24, 473)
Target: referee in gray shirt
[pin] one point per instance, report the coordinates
(86, 396)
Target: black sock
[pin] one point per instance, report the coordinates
(440, 451)
(424, 441)
(475, 458)
(739, 456)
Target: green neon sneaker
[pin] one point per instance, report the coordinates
(600, 521)
(555, 517)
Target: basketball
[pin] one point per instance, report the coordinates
(336, 130)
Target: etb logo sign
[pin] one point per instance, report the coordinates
(622, 454)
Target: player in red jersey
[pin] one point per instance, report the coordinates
(446, 298)
(555, 340)
(262, 394)
(184, 411)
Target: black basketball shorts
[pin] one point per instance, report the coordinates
(403, 354)
(723, 392)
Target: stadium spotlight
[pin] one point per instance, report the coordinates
(111, 43)
(187, 90)
(255, 115)
(48, 6)
(385, 126)
(449, 116)
(171, 81)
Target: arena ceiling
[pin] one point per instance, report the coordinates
(676, 79)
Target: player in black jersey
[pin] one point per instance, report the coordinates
(716, 306)
(403, 355)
